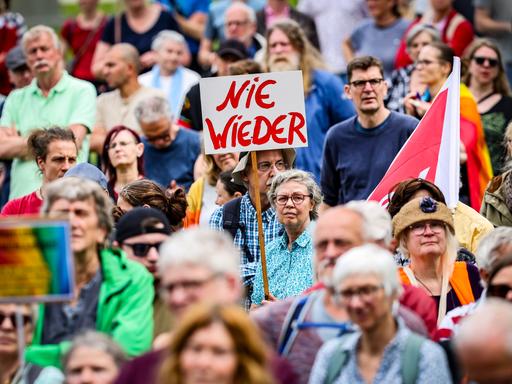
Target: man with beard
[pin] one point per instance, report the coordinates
(289, 49)
(358, 151)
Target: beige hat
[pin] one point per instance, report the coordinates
(236, 174)
(421, 209)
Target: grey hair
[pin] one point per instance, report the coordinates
(366, 229)
(368, 259)
(204, 247)
(76, 189)
(489, 323)
(165, 36)
(95, 340)
(302, 177)
(152, 109)
(376, 220)
(251, 15)
(129, 55)
(489, 247)
(36, 31)
(419, 28)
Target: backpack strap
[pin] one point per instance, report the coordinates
(231, 216)
(289, 330)
(410, 358)
(337, 361)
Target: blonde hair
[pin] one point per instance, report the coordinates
(251, 352)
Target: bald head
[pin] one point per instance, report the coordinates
(337, 230)
(483, 343)
(122, 65)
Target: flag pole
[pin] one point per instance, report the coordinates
(261, 237)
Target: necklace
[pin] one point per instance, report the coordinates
(424, 285)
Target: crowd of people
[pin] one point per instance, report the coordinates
(178, 277)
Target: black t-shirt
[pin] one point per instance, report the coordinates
(495, 122)
(141, 41)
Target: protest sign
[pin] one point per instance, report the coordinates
(253, 112)
(36, 262)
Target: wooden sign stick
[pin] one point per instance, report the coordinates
(261, 234)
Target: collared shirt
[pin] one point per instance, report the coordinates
(290, 272)
(432, 366)
(70, 101)
(246, 238)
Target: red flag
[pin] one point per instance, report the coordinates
(432, 152)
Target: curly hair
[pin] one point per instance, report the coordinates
(40, 139)
(146, 192)
(251, 352)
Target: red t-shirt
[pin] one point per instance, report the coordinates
(75, 36)
(25, 205)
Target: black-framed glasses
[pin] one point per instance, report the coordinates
(480, 60)
(27, 319)
(498, 290)
(142, 249)
(265, 166)
(164, 136)
(297, 199)
(360, 84)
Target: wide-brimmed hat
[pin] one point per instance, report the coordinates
(421, 209)
(288, 154)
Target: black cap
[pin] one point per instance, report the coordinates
(233, 48)
(15, 58)
(141, 220)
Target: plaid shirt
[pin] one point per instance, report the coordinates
(246, 238)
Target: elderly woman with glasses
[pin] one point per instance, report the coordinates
(296, 197)
(383, 350)
(486, 79)
(425, 231)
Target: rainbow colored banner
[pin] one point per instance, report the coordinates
(36, 262)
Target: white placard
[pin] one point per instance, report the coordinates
(253, 112)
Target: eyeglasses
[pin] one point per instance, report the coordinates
(142, 249)
(425, 62)
(164, 136)
(498, 290)
(27, 319)
(360, 84)
(120, 144)
(188, 285)
(235, 23)
(296, 198)
(480, 60)
(365, 292)
(265, 166)
(420, 228)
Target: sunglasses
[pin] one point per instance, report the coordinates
(480, 60)
(142, 249)
(27, 319)
(498, 290)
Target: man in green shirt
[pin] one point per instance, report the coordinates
(53, 98)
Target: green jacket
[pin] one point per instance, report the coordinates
(125, 310)
(494, 208)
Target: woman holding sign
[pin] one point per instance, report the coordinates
(296, 197)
